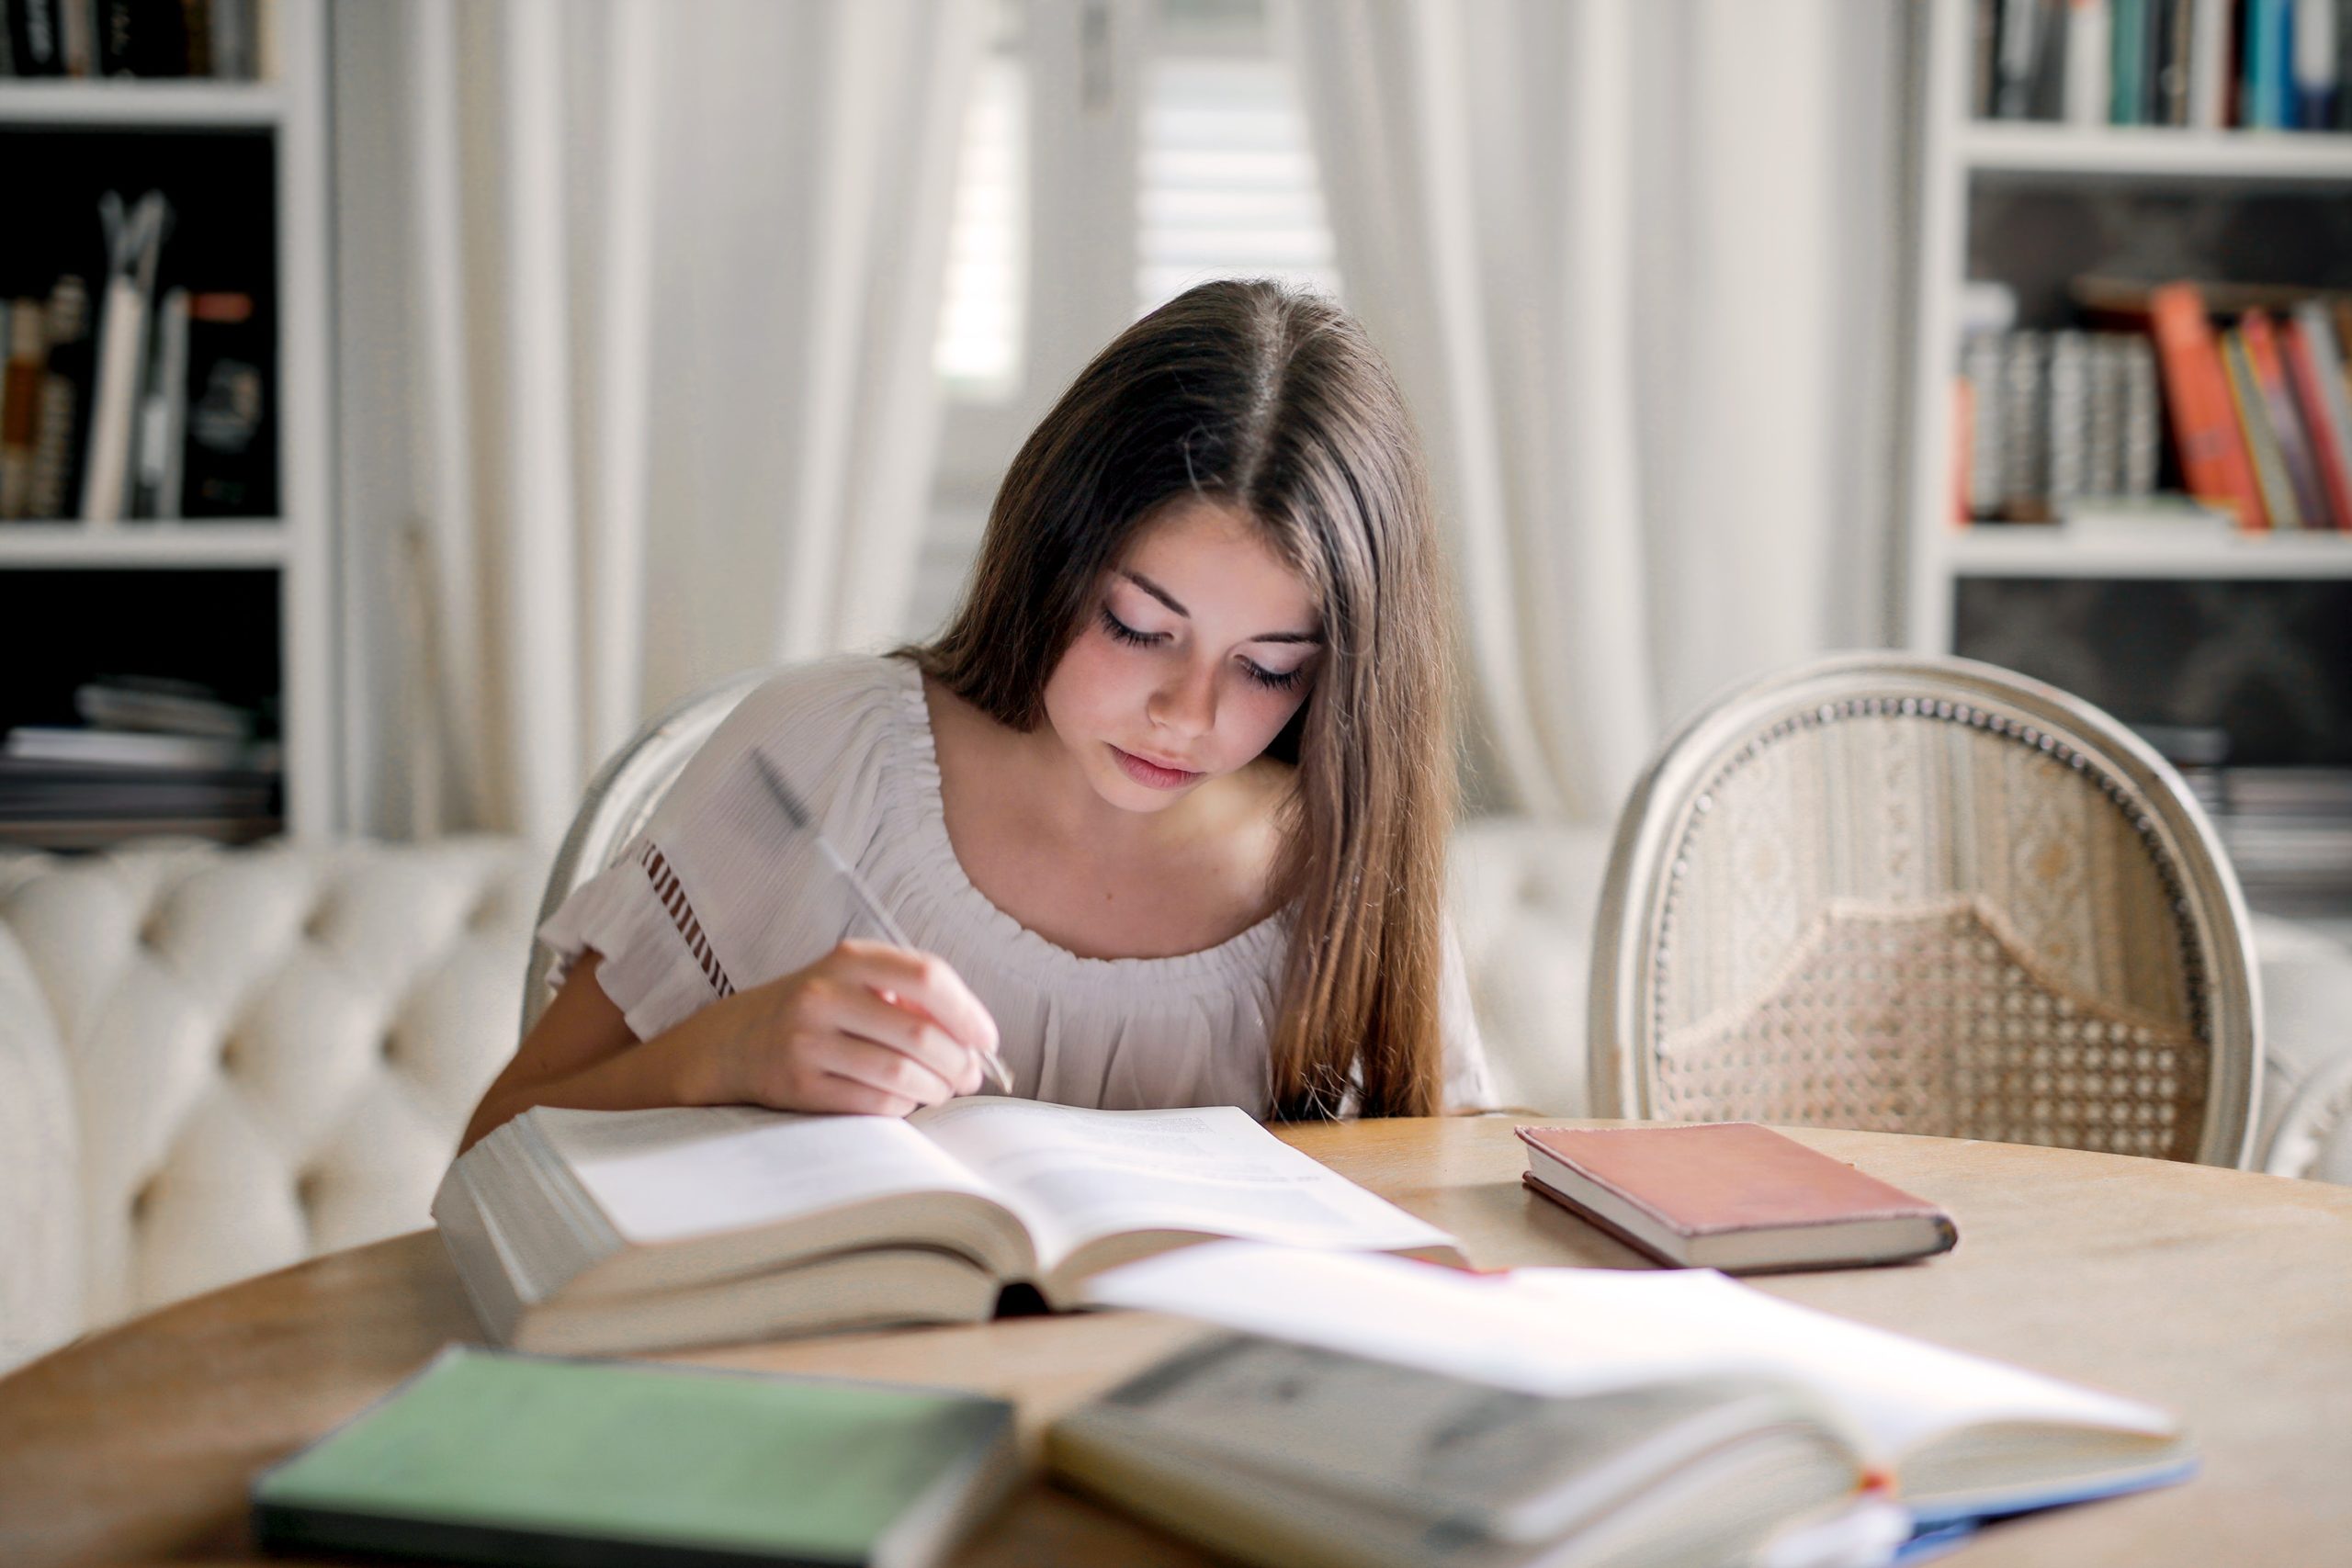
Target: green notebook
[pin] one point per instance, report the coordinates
(490, 1455)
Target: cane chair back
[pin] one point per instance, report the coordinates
(620, 800)
(1924, 895)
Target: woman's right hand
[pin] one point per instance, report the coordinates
(868, 1028)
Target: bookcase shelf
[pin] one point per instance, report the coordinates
(2154, 152)
(132, 102)
(243, 604)
(2027, 551)
(136, 544)
(2250, 634)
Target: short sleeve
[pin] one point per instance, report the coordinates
(1466, 1084)
(691, 910)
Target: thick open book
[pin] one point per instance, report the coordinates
(587, 1232)
(1953, 1438)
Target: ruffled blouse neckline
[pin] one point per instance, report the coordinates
(923, 815)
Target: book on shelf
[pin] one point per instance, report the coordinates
(65, 382)
(2206, 64)
(2315, 371)
(229, 449)
(2253, 413)
(611, 1231)
(2214, 458)
(1807, 1410)
(161, 703)
(215, 38)
(2296, 455)
(1730, 1195)
(130, 749)
(169, 416)
(488, 1456)
(24, 348)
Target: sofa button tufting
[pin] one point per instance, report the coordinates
(306, 1190)
(315, 927)
(142, 1201)
(389, 1046)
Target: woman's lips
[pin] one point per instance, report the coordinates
(1151, 775)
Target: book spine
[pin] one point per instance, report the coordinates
(2208, 65)
(2214, 459)
(1987, 470)
(78, 29)
(2025, 426)
(1985, 30)
(2174, 21)
(2245, 395)
(2104, 445)
(2142, 419)
(2286, 420)
(2267, 80)
(2311, 405)
(2020, 52)
(65, 381)
(121, 331)
(36, 38)
(2067, 420)
(2089, 49)
(2314, 66)
(27, 339)
(2343, 65)
(2128, 62)
(2332, 387)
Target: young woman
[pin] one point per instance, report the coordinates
(1165, 809)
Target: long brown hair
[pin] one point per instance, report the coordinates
(1273, 402)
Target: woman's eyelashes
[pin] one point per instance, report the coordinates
(1272, 679)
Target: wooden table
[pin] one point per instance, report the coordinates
(2224, 1296)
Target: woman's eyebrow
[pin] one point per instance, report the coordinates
(1157, 591)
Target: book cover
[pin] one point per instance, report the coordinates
(24, 337)
(2213, 455)
(2254, 419)
(1731, 1195)
(2268, 84)
(491, 1455)
(230, 454)
(2330, 378)
(2305, 350)
(65, 401)
(2295, 455)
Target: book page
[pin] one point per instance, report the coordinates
(1075, 1176)
(1569, 1331)
(662, 1175)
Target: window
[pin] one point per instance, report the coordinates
(1114, 155)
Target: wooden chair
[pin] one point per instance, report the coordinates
(1924, 895)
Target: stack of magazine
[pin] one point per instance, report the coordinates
(150, 756)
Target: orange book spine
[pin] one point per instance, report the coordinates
(2212, 451)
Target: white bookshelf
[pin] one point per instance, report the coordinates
(1956, 154)
(298, 546)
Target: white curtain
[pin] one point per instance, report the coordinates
(645, 379)
(1634, 263)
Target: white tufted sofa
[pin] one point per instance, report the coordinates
(216, 1062)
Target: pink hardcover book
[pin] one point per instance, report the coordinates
(1730, 1195)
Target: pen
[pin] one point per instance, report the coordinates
(804, 820)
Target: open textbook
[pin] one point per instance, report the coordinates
(1752, 1411)
(587, 1231)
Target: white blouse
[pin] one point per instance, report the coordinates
(719, 894)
